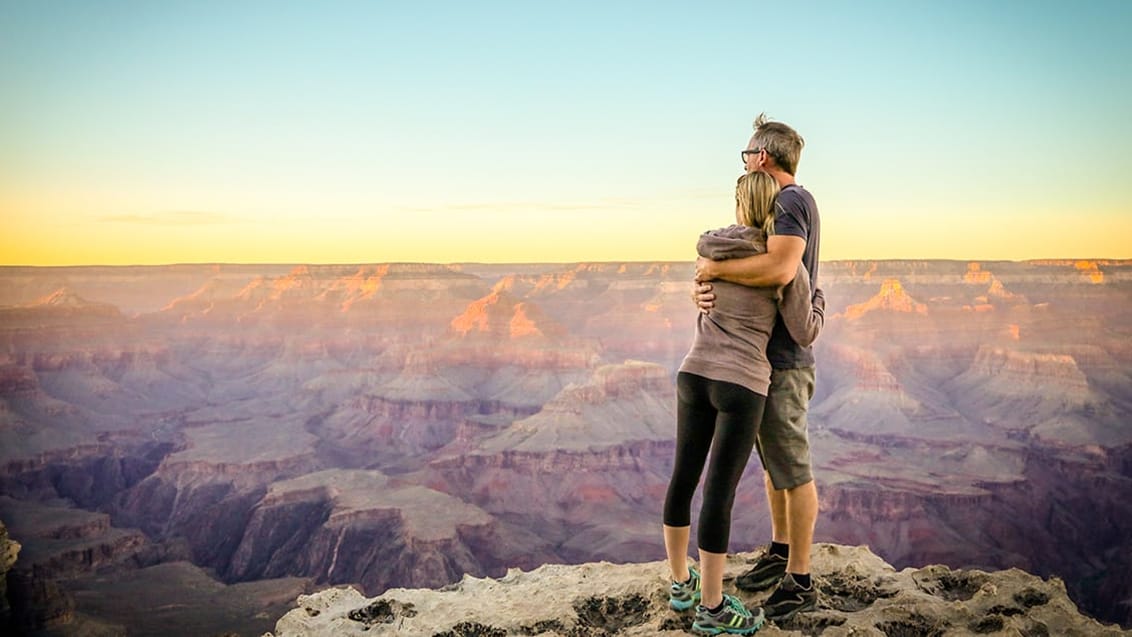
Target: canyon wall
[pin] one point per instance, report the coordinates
(408, 424)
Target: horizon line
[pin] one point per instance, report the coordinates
(1038, 260)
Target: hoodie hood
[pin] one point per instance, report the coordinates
(733, 242)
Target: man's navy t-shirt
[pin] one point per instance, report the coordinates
(797, 216)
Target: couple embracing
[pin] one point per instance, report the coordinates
(746, 384)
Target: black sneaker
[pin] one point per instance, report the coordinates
(766, 572)
(789, 599)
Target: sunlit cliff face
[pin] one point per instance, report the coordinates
(501, 314)
(892, 297)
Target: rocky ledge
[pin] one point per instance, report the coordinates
(859, 595)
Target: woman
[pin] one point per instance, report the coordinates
(721, 392)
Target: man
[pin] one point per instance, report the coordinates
(782, 441)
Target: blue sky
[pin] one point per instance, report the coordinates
(162, 132)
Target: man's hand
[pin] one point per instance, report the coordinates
(703, 297)
(705, 270)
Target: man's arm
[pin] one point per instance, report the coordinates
(802, 312)
(777, 266)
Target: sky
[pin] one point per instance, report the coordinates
(367, 132)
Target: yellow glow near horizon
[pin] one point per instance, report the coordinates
(652, 230)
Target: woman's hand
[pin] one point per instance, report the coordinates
(703, 297)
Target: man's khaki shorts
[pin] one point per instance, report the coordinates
(782, 441)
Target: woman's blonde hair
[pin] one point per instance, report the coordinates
(755, 198)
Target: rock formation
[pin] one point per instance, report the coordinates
(9, 551)
(858, 594)
(892, 298)
(603, 441)
(352, 526)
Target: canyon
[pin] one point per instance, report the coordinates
(252, 432)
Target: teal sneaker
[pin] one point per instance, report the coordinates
(733, 619)
(684, 595)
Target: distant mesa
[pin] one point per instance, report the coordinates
(328, 293)
(355, 494)
(362, 527)
(996, 293)
(204, 298)
(514, 284)
(868, 371)
(611, 382)
(265, 289)
(1044, 394)
(976, 274)
(256, 450)
(998, 290)
(872, 400)
(1026, 370)
(63, 297)
(617, 404)
(61, 305)
(367, 279)
(891, 298)
(359, 286)
(345, 284)
(503, 315)
(607, 386)
(637, 268)
(547, 284)
(1090, 271)
(66, 299)
(555, 282)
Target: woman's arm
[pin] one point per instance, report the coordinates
(804, 318)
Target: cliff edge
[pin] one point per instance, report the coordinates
(859, 594)
(9, 549)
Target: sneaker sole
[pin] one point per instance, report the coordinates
(678, 605)
(717, 630)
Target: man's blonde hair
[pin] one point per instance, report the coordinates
(781, 142)
(755, 198)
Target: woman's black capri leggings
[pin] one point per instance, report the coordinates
(722, 418)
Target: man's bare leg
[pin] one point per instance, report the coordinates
(802, 514)
(779, 521)
(796, 592)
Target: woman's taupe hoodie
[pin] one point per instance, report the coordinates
(730, 342)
